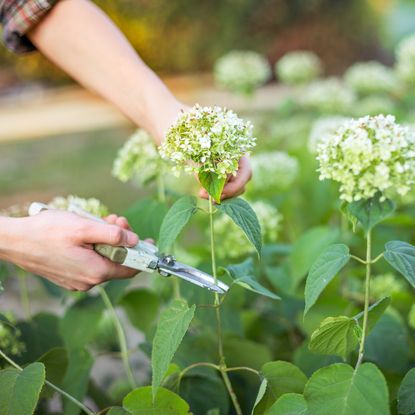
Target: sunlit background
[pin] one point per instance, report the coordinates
(57, 139)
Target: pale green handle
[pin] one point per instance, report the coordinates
(116, 254)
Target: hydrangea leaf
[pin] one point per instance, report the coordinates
(242, 275)
(245, 217)
(376, 311)
(336, 336)
(171, 328)
(282, 378)
(175, 220)
(401, 256)
(370, 212)
(324, 269)
(339, 389)
(141, 402)
(406, 394)
(289, 404)
(260, 398)
(20, 390)
(213, 184)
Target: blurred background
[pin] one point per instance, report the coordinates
(53, 134)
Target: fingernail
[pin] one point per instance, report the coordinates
(132, 239)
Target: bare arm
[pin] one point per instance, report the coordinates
(79, 38)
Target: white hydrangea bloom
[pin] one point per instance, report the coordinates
(138, 159)
(386, 285)
(242, 71)
(91, 205)
(273, 170)
(322, 129)
(374, 105)
(371, 77)
(329, 95)
(369, 155)
(208, 139)
(405, 59)
(298, 67)
(234, 243)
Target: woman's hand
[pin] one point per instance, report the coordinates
(59, 247)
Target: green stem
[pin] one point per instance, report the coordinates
(51, 385)
(245, 368)
(377, 258)
(24, 293)
(222, 362)
(367, 298)
(161, 191)
(356, 258)
(121, 337)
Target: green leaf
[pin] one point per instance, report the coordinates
(142, 307)
(406, 394)
(171, 328)
(336, 336)
(323, 270)
(213, 184)
(76, 379)
(308, 247)
(20, 390)
(370, 212)
(289, 404)
(80, 323)
(116, 410)
(401, 256)
(56, 363)
(141, 402)
(244, 216)
(282, 377)
(258, 405)
(376, 311)
(242, 274)
(339, 389)
(175, 220)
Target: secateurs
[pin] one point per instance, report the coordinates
(144, 256)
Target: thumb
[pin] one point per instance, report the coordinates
(109, 234)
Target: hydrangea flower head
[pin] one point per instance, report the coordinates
(405, 60)
(273, 170)
(208, 140)
(322, 129)
(330, 96)
(242, 71)
(91, 205)
(234, 243)
(298, 67)
(371, 77)
(369, 155)
(138, 159)
(374, 105)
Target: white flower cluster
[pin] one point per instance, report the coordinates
(369, 155)
(322, 129)
(234, 244)
(370, 78)
(273, 170)
(374, 105)
(298, 67)
(242, 71)
(386, 285)
(329, 95)
(405, 59)
(138, 159)
(91, 205)
(208, 139)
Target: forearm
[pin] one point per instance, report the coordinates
(79, 38)
(8, 237)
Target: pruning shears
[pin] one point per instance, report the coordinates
(144, 256)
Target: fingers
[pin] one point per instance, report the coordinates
(120, 221)
(111, 234)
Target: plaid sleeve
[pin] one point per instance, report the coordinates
(18, 17)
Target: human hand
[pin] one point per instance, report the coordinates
(58, 246)
(235, 185)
